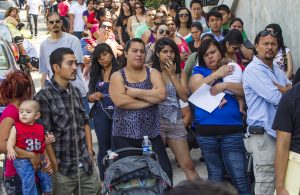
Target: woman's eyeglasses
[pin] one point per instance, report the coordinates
(103, 26)
(163, 31)
(183, 15)
(54, 21)
(138, 7)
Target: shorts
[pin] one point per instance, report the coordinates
(173, 131)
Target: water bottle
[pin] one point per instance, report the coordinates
(147, 148)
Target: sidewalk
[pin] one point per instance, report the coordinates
(178, 175)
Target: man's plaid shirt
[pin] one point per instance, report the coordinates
(56, 116)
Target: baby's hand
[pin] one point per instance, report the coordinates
(11, 154)
(49, 138)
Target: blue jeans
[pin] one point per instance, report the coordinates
(26, 173)
(226, 152)
(102, 124)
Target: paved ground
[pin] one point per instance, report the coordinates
(178, 174)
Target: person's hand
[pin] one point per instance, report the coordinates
(46, 165)
(222, 103)
(131, 91)
(217, 88)
(170, 68)
(184, 56)
(49, 138)
(35, 160)
(11, 154)
(91, 153)
(120, 47)
(283, 89)
(122, 44)
(224, 71)
(96, 96)
(87, 59)
(281, 191)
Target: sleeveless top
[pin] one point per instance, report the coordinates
(136, 124)
(135, 23)
(106, 101)
(170, 108)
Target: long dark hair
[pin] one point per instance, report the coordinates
(122, 11)
(159, 45)
(204, 47)
(96, 72)
(189, 22)
(234, 36)
(277, 29)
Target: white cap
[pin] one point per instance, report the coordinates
(145, 136)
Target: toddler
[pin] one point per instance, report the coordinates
(235, 77)
(29, 136)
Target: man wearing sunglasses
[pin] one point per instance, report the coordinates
(264, 83)
(57, 39)
(150, 14)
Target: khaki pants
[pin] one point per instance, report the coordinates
(262, 149)
(64, 185)
(292, 181)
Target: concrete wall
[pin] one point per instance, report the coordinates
(256, 14)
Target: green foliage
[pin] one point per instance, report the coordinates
(155, 3)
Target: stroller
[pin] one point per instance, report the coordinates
(130, 173)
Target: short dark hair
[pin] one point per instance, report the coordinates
(204, 47)
(159, 45)
(194, 2)
(174, 6)
(57, 56)
(223, 7)
(197, 25)
(52, 14)
(214, 13)
(177, 21)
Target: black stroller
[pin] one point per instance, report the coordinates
(130, 173)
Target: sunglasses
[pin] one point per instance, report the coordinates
(162, 31)
(267, 32)
(54, 21)
(138, 7)
(183, 15)
(156, 23)
(105, 26)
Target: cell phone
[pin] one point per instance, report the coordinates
(256, 130)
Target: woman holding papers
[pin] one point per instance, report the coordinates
(219, 133)
(166, 59)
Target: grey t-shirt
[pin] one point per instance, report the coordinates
(66, 40)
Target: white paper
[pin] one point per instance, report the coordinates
(203, 99)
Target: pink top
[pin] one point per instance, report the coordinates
(183, 48)
(63, 8)
(12, 112)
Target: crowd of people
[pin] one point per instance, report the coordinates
(127, 71)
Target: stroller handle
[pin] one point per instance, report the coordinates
(123, 151)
